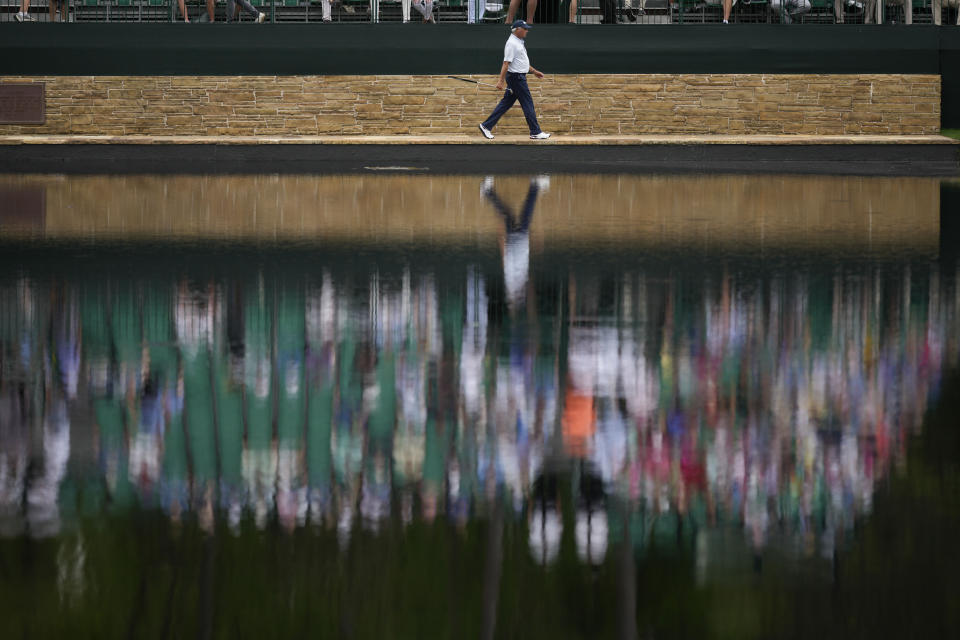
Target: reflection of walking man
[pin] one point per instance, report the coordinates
(513, 72)
(516, 245)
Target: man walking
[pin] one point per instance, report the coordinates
(513, 73)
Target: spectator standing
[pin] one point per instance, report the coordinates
(259, 15)
(632, 13)
(424, 7)
(57, 5)
(211, 9)
(789, 9)
(513, 74)
(24, 13)
(515, 5)
(475, 10)
(727, 7)
(608, 10)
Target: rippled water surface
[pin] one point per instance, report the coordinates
(395, 406)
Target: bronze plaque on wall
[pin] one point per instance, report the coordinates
(22, 103)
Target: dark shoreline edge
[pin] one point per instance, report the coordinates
(921, 160)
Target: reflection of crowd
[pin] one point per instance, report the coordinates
(664, 406)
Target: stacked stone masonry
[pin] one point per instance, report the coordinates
(424, 105)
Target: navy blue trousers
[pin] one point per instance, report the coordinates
(517, 89)
(512, 224)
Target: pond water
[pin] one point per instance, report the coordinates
(397, 406)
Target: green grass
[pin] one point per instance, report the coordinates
(951, 133)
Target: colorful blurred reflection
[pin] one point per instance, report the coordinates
(766, 402)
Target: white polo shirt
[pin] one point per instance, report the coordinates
(515, 52)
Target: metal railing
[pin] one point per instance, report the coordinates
(625, 12)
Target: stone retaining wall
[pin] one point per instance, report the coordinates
(423, 105)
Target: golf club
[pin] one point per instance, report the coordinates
(486, 84)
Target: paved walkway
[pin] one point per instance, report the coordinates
(574, 140)
(833, 155)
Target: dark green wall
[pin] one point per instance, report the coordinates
(950, 77)
(293, 49)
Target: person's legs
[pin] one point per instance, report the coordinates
(522, 91)
(531, 9)
(183, 11)
(425, 7)
(405, 10)
(327, 16)
(778, 7)
(475, 10)
(727, 5)
(24, 11)
(211, 10)
(249, 8)
(608, 11)
(502, 209)
(573, 11)
(528, 206)
(230, 9)
(509, 97)
(512, 11)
